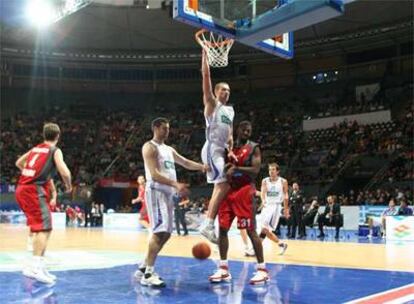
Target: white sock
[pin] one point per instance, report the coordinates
(261, 265)
(224, 263)
(37, 262)
(210, 222)
(149, 269)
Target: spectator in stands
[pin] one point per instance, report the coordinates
(102, 208)
(375, 221)
(80, 216)
(88, 215)
(404, 209)
(304, 154)
(70, 216)
(89, 196)
(96, 215)
(330, 217)
(310, 213)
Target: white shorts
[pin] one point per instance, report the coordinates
(270, 216)
(214, 156)
(160, 207)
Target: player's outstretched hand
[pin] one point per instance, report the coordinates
(52, 202)
(206, 168)
(231, 156)
(229, 169)
(136, 200)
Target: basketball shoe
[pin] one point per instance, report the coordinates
(208, 232)
(260, 277)
(249, 252)
(152, 280)
(38, 274)
(221, 275)
(282, 248)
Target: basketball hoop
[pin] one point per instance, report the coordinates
(216, 46)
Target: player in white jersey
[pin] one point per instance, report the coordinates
(274, 192)
(161, 187)
(219, 137)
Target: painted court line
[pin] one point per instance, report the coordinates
(401, 294)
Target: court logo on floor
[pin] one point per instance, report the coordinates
(70, 259)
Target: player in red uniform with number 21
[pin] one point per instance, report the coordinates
(239, 202)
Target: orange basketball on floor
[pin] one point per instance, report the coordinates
(201, 251)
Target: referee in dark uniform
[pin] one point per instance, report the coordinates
(296, 207)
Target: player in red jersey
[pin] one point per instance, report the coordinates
(37, 167)
(143, 213)
(239, 202)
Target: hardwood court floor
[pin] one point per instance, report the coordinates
(390, 256)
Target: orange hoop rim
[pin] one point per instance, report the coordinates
(202, 42)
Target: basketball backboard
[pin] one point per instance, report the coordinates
(264, 24)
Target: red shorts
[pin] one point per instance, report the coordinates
(143, 214)
(33, 200)
(238, 202)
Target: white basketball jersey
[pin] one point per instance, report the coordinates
(166, 166)
(218, 124)
(274, 194)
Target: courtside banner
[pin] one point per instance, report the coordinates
(18, 218)
(400, 228)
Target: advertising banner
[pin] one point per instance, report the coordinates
(400, 228)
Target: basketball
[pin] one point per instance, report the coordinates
(201, 251)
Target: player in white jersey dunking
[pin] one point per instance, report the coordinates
(274, 192)
(219, 137)
(160, 189)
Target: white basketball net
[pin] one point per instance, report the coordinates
(216, 46)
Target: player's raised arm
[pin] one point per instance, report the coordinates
(20, 163)
(209, 99)
(63, 170)
(189, 164)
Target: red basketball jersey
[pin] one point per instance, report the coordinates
(40, 166)
(244, 156)
(141, 193)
